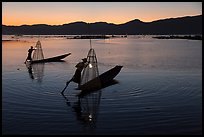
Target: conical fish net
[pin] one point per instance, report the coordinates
(38, 52)
(91, 71)
(90, 102)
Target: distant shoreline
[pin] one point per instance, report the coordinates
(171, 26)
(10, 40)
(188, 37)
(196, 37)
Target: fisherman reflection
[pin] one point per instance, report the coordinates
(30, 71)
(35, 71)
(77, 109)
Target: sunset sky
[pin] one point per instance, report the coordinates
(58, 13)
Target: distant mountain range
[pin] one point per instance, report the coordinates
(171, 26)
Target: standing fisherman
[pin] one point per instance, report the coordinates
(29, 54)
(77, 75)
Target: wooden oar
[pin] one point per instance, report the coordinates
(67, 83)
(62, 92)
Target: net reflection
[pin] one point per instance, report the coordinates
(36, 71)
(89, 105)
(86, 108)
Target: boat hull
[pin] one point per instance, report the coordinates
(52, 59)
(102, 80)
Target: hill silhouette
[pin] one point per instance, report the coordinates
(171, 26)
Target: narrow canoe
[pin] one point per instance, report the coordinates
(85, 92)
(52, 59)
(101, 80)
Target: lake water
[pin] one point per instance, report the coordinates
(159, 89)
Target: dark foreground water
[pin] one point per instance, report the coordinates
(159, 89)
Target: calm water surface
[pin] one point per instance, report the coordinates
(159, 89)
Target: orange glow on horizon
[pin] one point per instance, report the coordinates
(17, 22)
(22, 13)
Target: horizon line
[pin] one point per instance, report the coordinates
(104, 21)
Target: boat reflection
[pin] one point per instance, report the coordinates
(36, 71)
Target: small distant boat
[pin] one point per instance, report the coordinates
(101, 80)
(52, 59)
(38, 56)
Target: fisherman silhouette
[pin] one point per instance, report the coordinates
(29, 54)
(77, 75)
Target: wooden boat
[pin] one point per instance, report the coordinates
(52, 59)
(101, 80)
(87, 92)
